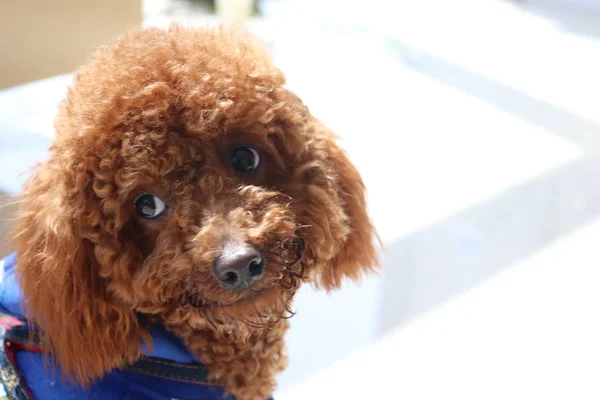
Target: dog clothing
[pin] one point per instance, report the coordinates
(167, 372)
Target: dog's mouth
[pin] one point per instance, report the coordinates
(195, 301)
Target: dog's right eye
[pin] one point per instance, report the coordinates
(245, 159)
(149, 206)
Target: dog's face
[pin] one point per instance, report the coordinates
(186, 183)
(219, 221)
(223, 226)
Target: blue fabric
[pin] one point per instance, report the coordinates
(47, 383)
(10, 293)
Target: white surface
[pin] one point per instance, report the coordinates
(426, 151)
(441, 149)
(26, 127)
(426, 148)
(534, 46)
(531, 332)
(32, 107)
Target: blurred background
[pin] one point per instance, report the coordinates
(475, 125)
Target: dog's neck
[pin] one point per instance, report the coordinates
(244, 359)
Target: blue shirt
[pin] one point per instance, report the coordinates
(45, 382)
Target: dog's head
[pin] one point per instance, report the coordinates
(186, 184)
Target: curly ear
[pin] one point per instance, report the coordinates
(81, 325)
(355, 236)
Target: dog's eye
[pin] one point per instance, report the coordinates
(245, 159)
(149, 206)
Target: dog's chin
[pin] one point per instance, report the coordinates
(250, 312)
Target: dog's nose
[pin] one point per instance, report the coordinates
(239, 267)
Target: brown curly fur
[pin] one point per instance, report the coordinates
(158, 111)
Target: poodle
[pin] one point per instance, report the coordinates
(186, 187)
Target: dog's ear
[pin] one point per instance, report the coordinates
(356, 241)
(81, 325)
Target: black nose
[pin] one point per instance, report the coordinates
(239, 266)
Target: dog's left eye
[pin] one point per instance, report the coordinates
(149, 206)
(245, 159)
